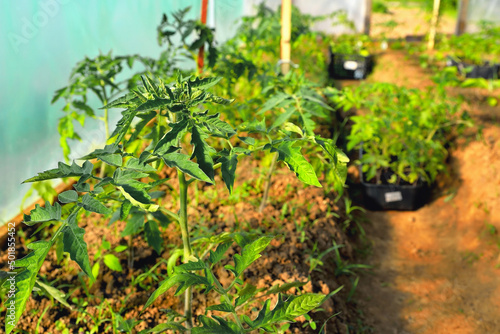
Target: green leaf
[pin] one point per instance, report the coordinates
(171, 138)
(285, 287)
(55, 293)
(91, 204)
(58, 94)
(80, 105)
(190, 266)
(112, 262)
(224, 307)
(283, 117)
(218, 254)
(123, 125)
(254, 126)
(75, 245)
(125, 209)
(202, 151)
(184, 280)
(125, 101)
(135, 164)
(168, 326)
(288, 310)
(156, 104)
(218, 99)
(204, 83)
(245, 294)
(228, 170)
(40, 215)
(25, 280)
(182, 162)
(138, 197)
(273, 102)
(218, 326)
(217, 127)
(297, 163)
(62, 171)
(106, 151)
(68, 196)
(134, 225)
(153, 236)
(249, 254)
(112, 159)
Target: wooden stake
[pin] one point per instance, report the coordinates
(286, 25)
(368, 17)
(434, 23)
(201, 52)
(462, 17)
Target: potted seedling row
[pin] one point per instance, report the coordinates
(350, 57)
(402, 139)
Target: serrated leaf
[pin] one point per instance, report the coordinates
(274, 101)
(204, 83)
(284, 287)
(224, 307)
(84, 107)
(106, 151)
(138, 198)
(254, 126)
(248, 140)
(123, 125)
(297, 163)
(288, 310)
(167, 326)
(171, 138)
(245, 294)
(218, 99)
(125, 209)
(112, 159)
(91, 204)
(182, 162)
(112, 262)
(228, 170)
(184, 280)
(156, 104)
(62, 171)
(293, 128)
(75, 245)
(125, 101)
(218, 254)
(283, 117)
(68, 196)
(39, 214)
(153, 236)
(135, 164)
(202, 151)
(190, 266)
(55, 293)
(25, 280)
(218, 127)
(218, 326)
(249, 254)
(134, 225)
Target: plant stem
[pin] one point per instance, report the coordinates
(268, 183)
(188, 294)
(106, 129)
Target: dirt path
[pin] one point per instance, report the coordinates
(437, 270)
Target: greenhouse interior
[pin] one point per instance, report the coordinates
(250, 166)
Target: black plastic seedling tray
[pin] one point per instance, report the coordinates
(350, 66)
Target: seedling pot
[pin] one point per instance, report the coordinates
(349, 66)
(378, 197)
(485, 71)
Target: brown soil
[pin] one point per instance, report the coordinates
(308, 209)
(437, 270)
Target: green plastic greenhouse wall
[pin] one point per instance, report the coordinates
(41, 40)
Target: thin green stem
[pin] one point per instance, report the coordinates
(227, 299)
(268, 183)
(188, 294)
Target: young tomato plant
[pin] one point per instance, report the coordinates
(179, 138)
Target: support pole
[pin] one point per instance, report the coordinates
(201, 52)
(434, 23)
(368, 17)
(463, 7)
(286, 33)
